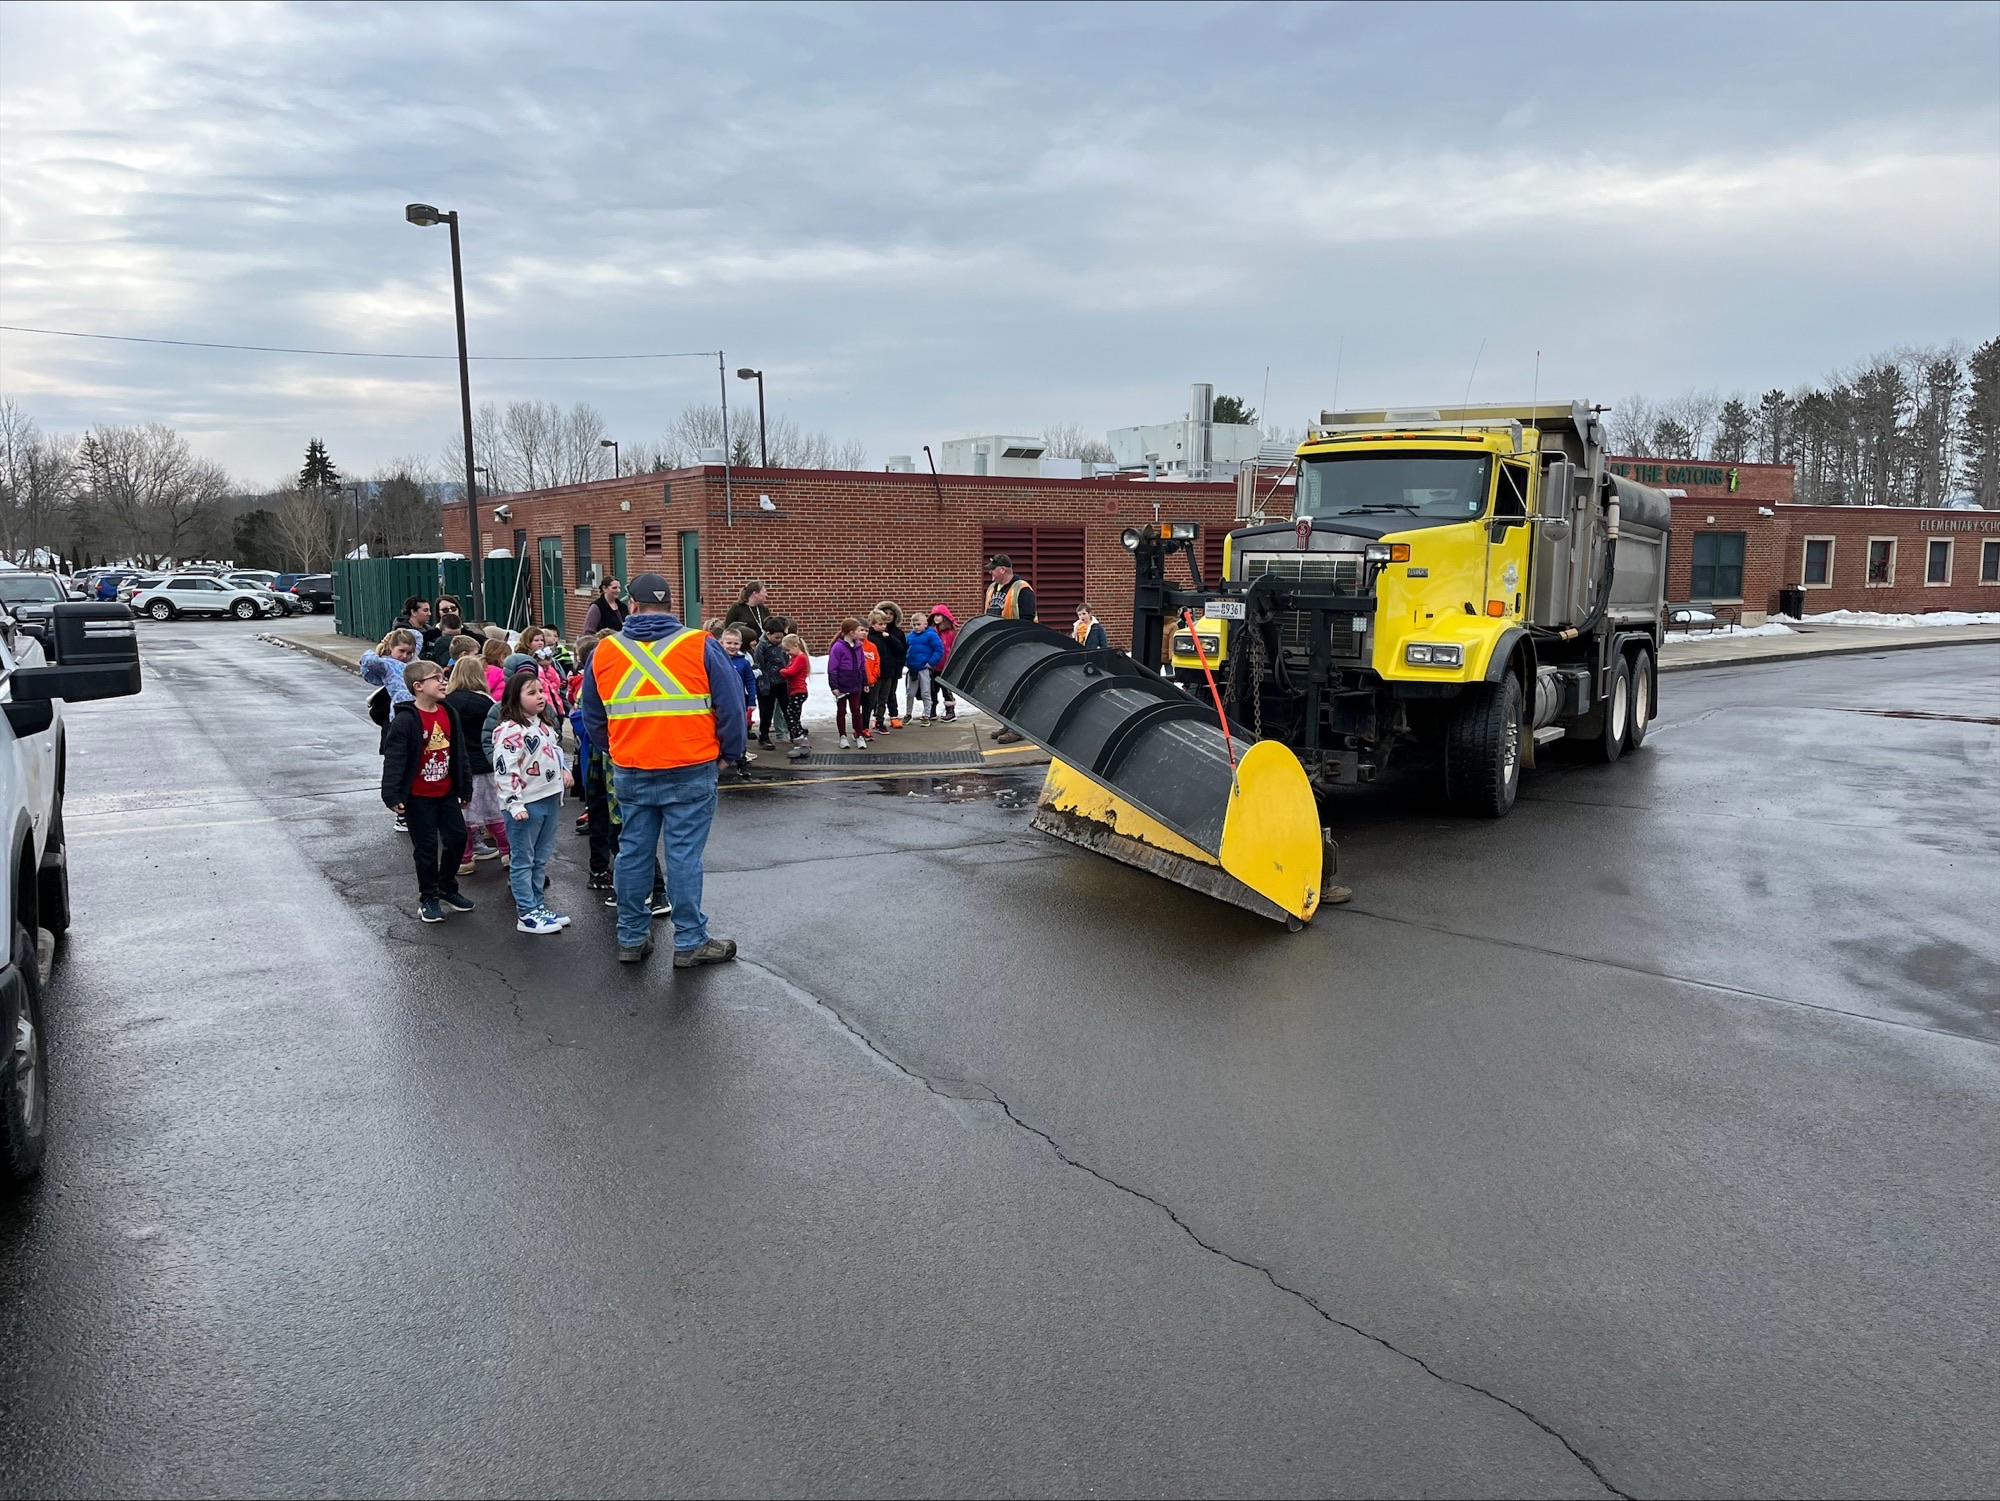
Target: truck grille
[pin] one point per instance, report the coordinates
(1340, 572)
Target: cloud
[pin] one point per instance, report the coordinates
(933, 220)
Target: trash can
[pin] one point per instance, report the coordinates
(1792, 602)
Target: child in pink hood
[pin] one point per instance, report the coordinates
(946, 625)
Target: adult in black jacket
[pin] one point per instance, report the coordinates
(608, 612)
(430, 784)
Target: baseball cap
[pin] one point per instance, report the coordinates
(649, 589)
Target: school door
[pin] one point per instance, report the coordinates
(691, 577)
(550, 573)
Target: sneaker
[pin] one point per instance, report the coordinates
(429, 910)
(600, 880)
(659, 906)
(402, 824)
(555, 917)
(748, 757)
(583, 823)
(457, 901)
(845, 742)
(537, 922)
(715, 951)
(764, 742)
(611, 899)
(465, 867)
(797, 753)
(486, 852)
(507, 861)
(861, 742)
(895, 724)
(634, 955)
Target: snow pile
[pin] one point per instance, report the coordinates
(1904, 621)
(1772, 628)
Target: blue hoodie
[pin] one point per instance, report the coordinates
(385, 672)
(926, 650)
(725, 688)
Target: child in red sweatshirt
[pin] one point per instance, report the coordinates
(798, 676)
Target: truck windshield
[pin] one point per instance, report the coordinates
(1441, 487)
(30, 591)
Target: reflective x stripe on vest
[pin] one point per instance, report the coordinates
(646, 666)
(1010, 608)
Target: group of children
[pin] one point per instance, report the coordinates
(868, 662)
(474, 762)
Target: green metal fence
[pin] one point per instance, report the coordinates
(368, 593)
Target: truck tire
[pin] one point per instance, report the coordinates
(1642, 699)
(1610, 741)
(52, 880)
(1482, 751)
(24, 1073)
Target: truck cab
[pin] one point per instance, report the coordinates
(72, 651)
(1430, 559)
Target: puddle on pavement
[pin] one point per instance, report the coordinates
(1001, 791)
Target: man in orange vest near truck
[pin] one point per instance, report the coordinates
(1011, 598)
(665, 700)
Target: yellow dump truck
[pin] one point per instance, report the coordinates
(1464, 585)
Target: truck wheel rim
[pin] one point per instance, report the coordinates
(1640, 704)
(27, 1071)
(1510, 755)
(1620, 704)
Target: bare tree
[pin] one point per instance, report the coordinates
(305, 526)
(577, 455)
(37, 483)
(1631, 424)
(1690, 418)
(488, 452)
(155, 495)
(1068, 440)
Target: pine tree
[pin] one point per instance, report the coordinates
(1232, 409)
(318, 473)
(1979, 428)
(1734, 431)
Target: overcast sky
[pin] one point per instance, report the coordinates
(936, 221)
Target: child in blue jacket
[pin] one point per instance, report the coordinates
(926, 656)
(732, 646)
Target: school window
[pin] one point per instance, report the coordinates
(1818, 570)
(1937, 561)
(1989, 561)
(1881, 562)
(1718, 566)
(583, 579)
(650, 537)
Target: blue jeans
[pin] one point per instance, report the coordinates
(530, 842)
(674, 807)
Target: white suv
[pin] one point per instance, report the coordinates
(202, 594)
(95, 654)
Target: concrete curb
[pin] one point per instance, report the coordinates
(1852, 650)
(311, 650)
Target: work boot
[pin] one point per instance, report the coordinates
(1006, 737)
(1333, 896)
(635, 954)
(715, 951)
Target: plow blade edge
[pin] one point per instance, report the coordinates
(1142, 772)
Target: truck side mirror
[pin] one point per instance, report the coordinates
(1555, 528)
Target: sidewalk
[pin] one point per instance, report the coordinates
(965, 744)
(1814, 641)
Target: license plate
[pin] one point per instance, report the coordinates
(1225, 609)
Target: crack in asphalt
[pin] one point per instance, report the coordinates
(915, 849)
(985, 1096)
(1673, 979)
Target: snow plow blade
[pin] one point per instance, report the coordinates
(1141, 771)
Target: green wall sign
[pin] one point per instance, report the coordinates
(1680, 474)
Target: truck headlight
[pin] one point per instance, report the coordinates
(1386, 552)
(1417, 654)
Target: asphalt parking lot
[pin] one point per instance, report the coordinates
(1641, 1143)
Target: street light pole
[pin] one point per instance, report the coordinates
(763, 448)
(357, 514)
(612, 444)
(424, 215)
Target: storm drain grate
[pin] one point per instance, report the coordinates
(943, 760)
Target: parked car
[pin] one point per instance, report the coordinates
(33, 596)
(199, 594)
(136, 584)
(313, 591)
(109, 584)
(261, 582)
(283, 581)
